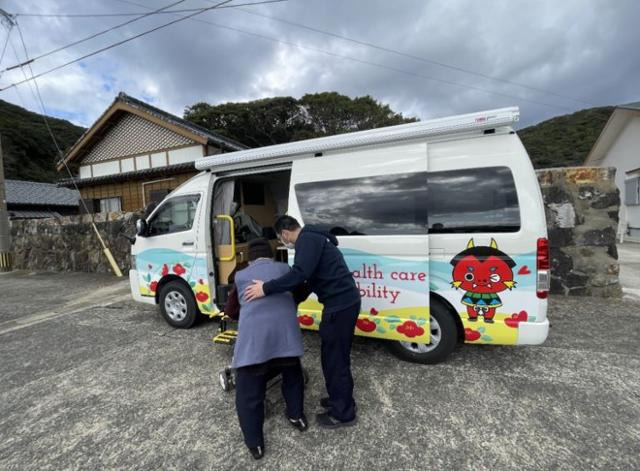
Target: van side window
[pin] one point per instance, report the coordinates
(175, 215)
(377, 205)
(473, 200)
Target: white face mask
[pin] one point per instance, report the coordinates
(287, 244)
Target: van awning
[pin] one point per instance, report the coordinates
(403, 132)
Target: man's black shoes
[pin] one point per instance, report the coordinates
(257, 452)
(301, 424)
(325, 420)
(326, 404)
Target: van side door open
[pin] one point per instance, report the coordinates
(378, 211)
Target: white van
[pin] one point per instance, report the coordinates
(441, 221)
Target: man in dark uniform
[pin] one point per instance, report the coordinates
(319, 262)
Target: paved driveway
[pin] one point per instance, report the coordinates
(90, 380)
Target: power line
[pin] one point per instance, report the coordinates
(362, 61)
(113, 45)
(413, 56)
(92, 36)
(113, 15)
(288, 43)
(6, 42)
(105, 248)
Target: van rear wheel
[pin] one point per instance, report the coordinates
(177, 305)
(444, 338)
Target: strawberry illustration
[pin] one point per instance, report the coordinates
(165, 270)
(366, 325)
(410, 329)
(471, 335)
(153, 286)
(179, 269)
(305, 320)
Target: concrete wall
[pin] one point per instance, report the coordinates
(581, 205)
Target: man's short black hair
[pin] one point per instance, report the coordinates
(286, 223)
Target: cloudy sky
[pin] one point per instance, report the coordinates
(425, 58)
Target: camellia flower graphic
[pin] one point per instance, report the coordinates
(153, 286)
(165, 270)
(202, 296)
(366, 325)
(179, 269)
(410, 329)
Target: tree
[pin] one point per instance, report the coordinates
(285, 119)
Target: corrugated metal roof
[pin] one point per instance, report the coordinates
(39, 194)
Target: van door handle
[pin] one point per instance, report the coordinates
(188, 243)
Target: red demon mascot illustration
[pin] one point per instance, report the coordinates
(482, 272)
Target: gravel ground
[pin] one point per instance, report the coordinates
(92, 380)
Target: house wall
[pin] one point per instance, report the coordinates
(624, 155)
(130, 192)
(155, 159)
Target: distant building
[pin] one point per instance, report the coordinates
(34, 200)
(617, 146)
(135, 154)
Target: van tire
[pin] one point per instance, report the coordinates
(177, 305)
(446, 325)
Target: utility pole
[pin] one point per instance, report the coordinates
(6, 19)
(5, 232)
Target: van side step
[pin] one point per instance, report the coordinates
(227, 337)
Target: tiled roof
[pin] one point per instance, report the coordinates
(32, 214)
(39, 194)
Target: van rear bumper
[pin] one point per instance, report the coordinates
(533, 333)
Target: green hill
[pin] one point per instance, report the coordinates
(29, 153)
(564, 141)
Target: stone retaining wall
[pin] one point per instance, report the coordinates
(581, 205)
(581, 208)
(70, 244)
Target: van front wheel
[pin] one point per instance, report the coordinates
(177, 305)
(444, 337)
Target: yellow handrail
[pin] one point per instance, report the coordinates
(232, 235)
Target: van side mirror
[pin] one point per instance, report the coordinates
(141, 227)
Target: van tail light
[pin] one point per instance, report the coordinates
(542, 265)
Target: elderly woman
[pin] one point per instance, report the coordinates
(269, 343)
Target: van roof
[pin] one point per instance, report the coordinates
(403, 132)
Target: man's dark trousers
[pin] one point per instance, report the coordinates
(336, 333)
(251, 386)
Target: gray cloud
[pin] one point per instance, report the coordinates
(581, 49)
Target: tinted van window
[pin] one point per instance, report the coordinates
(378, 205)
(473, 200)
